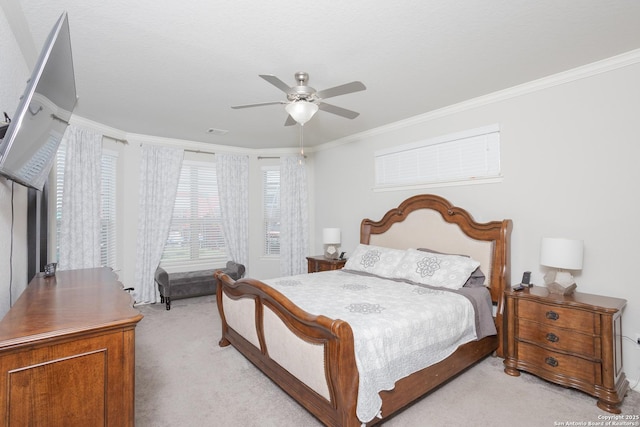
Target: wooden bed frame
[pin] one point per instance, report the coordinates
(287, 343)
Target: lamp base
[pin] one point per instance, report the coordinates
(560, 282)
(330, 251)
(556, 288)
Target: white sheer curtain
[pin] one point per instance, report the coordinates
(294, 218)
(159, 176)
(232, 174)
(79, 244)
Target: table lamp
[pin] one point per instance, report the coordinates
(562, 255)
(331, 240)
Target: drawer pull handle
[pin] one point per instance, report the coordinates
(552, 315)
(552, 337)
(551, 361)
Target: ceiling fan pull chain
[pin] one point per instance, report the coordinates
(301, 145)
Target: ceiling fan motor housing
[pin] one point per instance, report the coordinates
(301, 92)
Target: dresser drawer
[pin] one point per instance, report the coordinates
(555, 338)
(559, 364)
(561, 317)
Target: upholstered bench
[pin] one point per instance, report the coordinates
(193, 283)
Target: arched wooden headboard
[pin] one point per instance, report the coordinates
(432, 222)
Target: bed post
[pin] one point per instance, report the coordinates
(503, 252)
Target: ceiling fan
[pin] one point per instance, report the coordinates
(304, 101)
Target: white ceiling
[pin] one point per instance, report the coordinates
(173, 68)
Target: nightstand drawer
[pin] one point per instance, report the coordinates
(559, 364)
(577, 320)
(558, 338)
(326, 267)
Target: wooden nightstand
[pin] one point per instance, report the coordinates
(573, 340)
(320, 263)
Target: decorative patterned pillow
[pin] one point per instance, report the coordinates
(448, 271)
(477, 278)
(375, 260)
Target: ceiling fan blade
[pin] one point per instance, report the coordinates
(290, 121)
(341, 90)
(260, 104)
(276, 82)
(338, 110)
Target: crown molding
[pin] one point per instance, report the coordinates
(585, 71)
(207, 147)
(100, 128)
(137, 138)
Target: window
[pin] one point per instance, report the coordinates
(195, 234)
(107, 204)
(456, 158)
(271, 210)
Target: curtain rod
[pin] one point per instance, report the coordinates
(186, 150)
(114, 138)
(199, 151)
(272, 157)
(211, 152)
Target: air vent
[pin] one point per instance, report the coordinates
(215, 131)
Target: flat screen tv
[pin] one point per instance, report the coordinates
(31, 141)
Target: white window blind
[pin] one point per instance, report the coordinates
(462, 157)
(109, 166)
(59, 169)
(109, 163)
(195, 234)
(271, 210)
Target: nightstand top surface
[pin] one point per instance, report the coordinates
(576, 299)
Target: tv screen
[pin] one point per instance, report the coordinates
(31, 141)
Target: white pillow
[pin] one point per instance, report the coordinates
(375, 260)
(448, 271)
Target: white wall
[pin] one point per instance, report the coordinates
(13, 262)
(569, 160)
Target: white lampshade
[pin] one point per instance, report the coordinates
(330, 235)
(561, 253)
(301, 111)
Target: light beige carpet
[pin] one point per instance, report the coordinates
(183, 378)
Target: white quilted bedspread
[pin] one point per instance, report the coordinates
(398, 328)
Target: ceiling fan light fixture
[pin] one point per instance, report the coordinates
(301, 111)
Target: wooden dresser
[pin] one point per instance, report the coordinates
(320, 263)
(573, 340)
(67, 352)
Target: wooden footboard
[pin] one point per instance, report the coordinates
(331, 385)
(327, 386)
